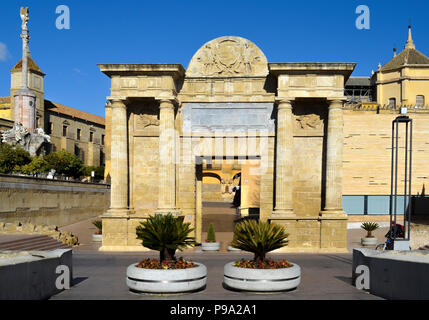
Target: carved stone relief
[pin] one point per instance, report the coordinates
(228, 56)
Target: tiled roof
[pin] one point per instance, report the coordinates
(406, 57)
(358, 81)
(4, 100)
(31, 66)
(56, 107)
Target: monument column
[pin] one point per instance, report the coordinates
(334, 160)
(119, 158)
(284, 160)
(167, 166)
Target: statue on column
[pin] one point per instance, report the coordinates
(24, 17)
(24, 132)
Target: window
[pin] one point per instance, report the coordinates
(102, 139)
(78, 134)
(420, 101)
(64, 131)
(392, 103)
(91, 136)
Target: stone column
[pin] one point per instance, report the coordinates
(167, 166)
(119, 159)
(334, 160)
(284, 160)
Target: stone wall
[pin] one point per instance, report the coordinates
(50, 202)
(367, 152)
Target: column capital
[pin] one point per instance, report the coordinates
(335, 103)
(167, 102)
(117, 102)
(284, 103)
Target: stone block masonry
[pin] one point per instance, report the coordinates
(50, 202)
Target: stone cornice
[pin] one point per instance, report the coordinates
(344, 68)
(153, 69)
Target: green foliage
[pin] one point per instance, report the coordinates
(259, 238)
(65, 163)
(98, 172)
(98, 224)
(37, 166)
(369, 227)
(211, 235)
(166, 234)
(11, 159)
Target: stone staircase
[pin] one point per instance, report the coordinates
(12, 242)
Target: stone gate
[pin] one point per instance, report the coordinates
(231, 105)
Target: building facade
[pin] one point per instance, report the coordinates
(81, 133)
(282, 121)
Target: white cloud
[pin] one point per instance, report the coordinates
(4, 53)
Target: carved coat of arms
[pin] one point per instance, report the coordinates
(228, 56)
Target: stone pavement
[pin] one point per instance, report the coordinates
(102, 276)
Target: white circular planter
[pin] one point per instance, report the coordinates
(369, 241)
(210, 246)
(264, 280)
(166, 281)
(233, 249)
(97, 237)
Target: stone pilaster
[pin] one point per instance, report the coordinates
(334, 160)
(167, 166)
(119, 159)
(284, 160)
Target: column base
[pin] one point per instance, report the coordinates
(283, 213)
(115, 212)
(165, 211)
(333, 214)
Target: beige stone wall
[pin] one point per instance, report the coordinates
(89, 151)
(367, 152)
(50, 202)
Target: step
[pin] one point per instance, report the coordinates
(26, 243)
(40, 242)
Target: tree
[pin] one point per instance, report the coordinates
(63, 162)
(11, 159)
(37, 166)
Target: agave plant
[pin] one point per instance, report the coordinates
(99, 225)
(259, 238)
(369, 227)
(166, 234)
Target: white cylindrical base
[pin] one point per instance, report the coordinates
(97, 237)
(166, 281)
(369, 241)
(210, 246)
(264, 280)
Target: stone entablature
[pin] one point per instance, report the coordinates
(163, 121)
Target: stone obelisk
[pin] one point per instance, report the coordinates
(25, 100)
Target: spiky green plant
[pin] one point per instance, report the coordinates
(211, 235)
(369, 227)
(259, 238)
(166, 234)
(99, 225)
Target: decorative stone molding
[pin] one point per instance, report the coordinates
(309, 122)
(146, 120)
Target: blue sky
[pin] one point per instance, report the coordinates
(129, 31)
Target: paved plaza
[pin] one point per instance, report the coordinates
(101, 275)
